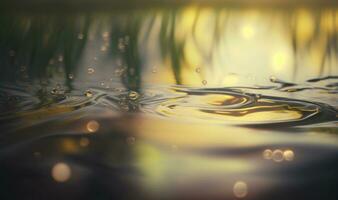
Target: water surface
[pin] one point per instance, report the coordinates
(191, 102)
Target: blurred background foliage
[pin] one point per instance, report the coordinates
(41, 45)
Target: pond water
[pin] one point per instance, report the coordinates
(188, 102)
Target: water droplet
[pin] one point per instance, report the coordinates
(258, 96)
(130, 140)
(84, 142)
(80, 36)
(57, 90)
(90, 70)
(273, 79)
(93, 126)
(277, 155)
(102, 83)
(288, 155)
(133, 95)
(240, 189)
(204, 82)
(70, 76)
(61, 172)
(198, 70)
(267, 154)
(54, 91)
(88, 93)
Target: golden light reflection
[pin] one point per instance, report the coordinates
(277, 155)
(240, 189)
(230, 80)
(93, 126)
(289, 155)
(281, 61)
(248, 31)
(267, 154)
(245, 116)
(61, 172)
(245, 42)
(305, 25)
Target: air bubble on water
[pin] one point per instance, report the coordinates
(95, 58)
(57, 90)
(90, 70)
(88, 93)
(204, 82)
(198, 70)
(277, 155)
(51, 61)
(133, 95)
(273, 79)
(54, 91)
(258, 96)
(102, 83)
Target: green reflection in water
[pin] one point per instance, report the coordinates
(222, 42)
